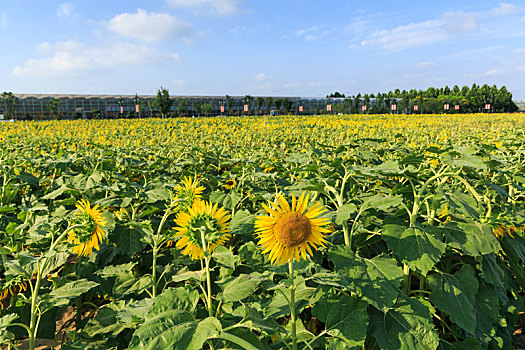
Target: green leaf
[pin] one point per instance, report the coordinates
(279, 305)
(469, 343)
(125, 285)
(493, 272)
(128, 239)
(174, 298)
(242, 223)
(184, 275)
(419, 248)
(158, 194)
(240, 287)
(73, 289)
(239, 339)
(344, 316)
(344, 213)
(54, 261)
(381, 202)
(28, 178)
(407, 326)
(225, 257)
(456, 295)
(472, 238)
(24, 264)
(376, 280)
(106, 321)
(174, 329)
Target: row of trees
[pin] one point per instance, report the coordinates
(432, 100)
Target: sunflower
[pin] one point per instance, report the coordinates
(203, 218)
(13, 287)
(502, 230)
(291, 232)
(230, 184)
(91, 233)
(188, 192)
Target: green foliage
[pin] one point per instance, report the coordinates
(434, 256)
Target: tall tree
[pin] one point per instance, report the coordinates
(183, 106)
(52, 107)
(259, 101)
(10, 102)
(163, 101)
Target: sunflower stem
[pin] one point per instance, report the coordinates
(41, 265)
(292, 307)
(208, 277)
(154, 272)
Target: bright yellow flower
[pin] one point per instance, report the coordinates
(230, 184)
(202, 218)
(291, 232)
(92, 233)
(189, 191)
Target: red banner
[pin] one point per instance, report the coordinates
(446, 106)
(394, 107)
(456, 107)
(136, 108)
(300, 108)
(328, 108)
(222, 109)
(487, 106)
(121, 109)
(416, 107)
(246, 108)
(363, 108)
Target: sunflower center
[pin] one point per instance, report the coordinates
(293, 228)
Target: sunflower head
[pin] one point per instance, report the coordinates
(502, 230)
(188, 192)
(90, 231)
(230, 184)
(289, 232)
(202, 220)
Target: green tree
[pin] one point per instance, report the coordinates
(206, 108)
(10, 102)
(52, 107)
(269, 104)
(229, 101)
(259, 101)
(163, 101)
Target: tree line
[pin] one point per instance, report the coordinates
(432, 100)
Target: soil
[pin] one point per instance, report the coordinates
(519, 332)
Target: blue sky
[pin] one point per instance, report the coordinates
(238, 47)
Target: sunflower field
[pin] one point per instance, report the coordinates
(288, 232)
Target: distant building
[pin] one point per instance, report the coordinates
(521, 105)
(37, 106)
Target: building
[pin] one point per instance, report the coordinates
(45, 106)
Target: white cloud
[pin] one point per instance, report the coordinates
(178, 82)
(67, 58)
(220, 7)
(491, 72)
(460, 22)
(65, 10)
(405, 36)
(521, 69)
(260, 77)
(446, 26)
(3, 20)
(503, 9)
(149, 26)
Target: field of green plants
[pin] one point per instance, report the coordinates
(324, 232)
